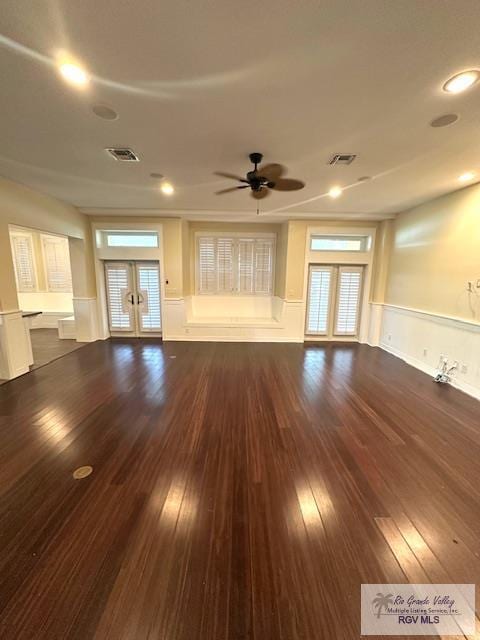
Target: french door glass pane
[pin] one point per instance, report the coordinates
(148, 284)
(348, 300)
(119, 287)
(319, 300)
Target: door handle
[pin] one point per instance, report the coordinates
(131, 298)
(140, 298)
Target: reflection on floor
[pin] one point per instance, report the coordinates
(239, 491)
(47, 346)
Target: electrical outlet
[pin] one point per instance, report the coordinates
(389, 337)
(464, 368)
(425, 353)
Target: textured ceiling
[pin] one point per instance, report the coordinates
(198, 85)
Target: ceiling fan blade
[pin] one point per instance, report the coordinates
(271, 171)
(259, 195)
(243, 186)
(288, 184)
(232, 176)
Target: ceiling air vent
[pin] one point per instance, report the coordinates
(342, 158)
(124, 155)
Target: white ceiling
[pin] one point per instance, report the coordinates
(199, 85)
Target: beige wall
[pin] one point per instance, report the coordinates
(435, 251)
(381, 260)
(25, 207)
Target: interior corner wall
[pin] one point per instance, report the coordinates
(428, 310)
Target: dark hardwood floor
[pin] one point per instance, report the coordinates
(238, 490)
(47, 346)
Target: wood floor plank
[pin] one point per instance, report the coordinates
(239, 491)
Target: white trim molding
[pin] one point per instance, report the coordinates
(421, 337)
(15, 345)
(86, 323)
(284, 324)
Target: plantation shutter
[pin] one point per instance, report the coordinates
(119, 288)
(57, 263)
(319, 299)
(240, 265)
(348, 300)
(246, 249)
(263, 266)
(148, 284)
(22, 249)
(224, 265)
(207, 279)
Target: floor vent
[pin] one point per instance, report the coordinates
(342, 158)
(124, 155)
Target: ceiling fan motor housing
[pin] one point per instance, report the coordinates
(256, 158)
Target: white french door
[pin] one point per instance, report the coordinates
(133, 298)
(334, 301)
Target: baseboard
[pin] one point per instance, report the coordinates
(431, 371)
(187, 338)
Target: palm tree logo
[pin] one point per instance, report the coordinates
(382, 602)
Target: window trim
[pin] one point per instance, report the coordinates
(235, 236)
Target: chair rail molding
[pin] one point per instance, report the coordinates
(420, 337)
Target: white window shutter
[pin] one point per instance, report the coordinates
(119, 287)
(224, 265)
(246, 265)
(235, 265)
(263, 266)
(22, 249)
(348, 300)
(319, 299)
(57, 263)
(207, 278)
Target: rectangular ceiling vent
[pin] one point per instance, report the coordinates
(342, 158)
(124, 155)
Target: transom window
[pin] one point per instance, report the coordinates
(340, 243)
(235, 265)
(132, 239)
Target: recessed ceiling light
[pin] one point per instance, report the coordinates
(461, 81)
(104, 112)
(167, 188)
(444, 121)
(74, 74)
(335, 192)
(466, 177)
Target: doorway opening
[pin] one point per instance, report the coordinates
(43, 279)
(334, 301)
(133, 298)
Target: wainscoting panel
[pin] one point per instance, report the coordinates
(421, 338)
(285, 323)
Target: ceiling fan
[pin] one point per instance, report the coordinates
(262, 179)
